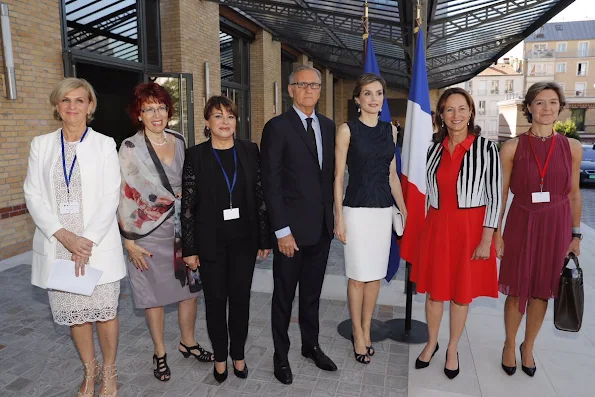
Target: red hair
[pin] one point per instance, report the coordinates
(148, 93)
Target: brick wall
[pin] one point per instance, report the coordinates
(265, 70)
(325, 104)
(37, 48)
(190, 37)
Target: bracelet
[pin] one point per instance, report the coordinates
(577, 235)
(576, 230)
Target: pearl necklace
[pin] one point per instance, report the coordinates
(162, 143)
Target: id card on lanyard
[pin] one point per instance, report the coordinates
(70, 207)
(541, 196)
(231, 213)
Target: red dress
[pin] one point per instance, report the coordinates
(449, 236)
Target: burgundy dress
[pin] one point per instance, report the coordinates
(537, 235)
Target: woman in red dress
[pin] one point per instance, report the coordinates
(464, 187)
(542, 169)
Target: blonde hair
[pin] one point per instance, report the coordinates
(67, 85)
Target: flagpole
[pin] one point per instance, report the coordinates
(366, 30)
(408, 330)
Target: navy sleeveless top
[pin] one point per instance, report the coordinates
(370, 153)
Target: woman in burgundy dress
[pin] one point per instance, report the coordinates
(542, 170)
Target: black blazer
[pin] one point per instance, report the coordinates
(297, 192)
(199, 209)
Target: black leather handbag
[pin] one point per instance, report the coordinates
(570, 303)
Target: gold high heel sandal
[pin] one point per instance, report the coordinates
(109, 372)
(90, 368)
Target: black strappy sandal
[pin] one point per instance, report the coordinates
(161, 370)
(370, 349)
(360, 358)
(205, 356)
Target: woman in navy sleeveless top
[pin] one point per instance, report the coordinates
(363, 219)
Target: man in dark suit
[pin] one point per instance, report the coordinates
(298, 163)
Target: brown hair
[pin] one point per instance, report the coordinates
(535, 89)
(64, 87)
(218, 102)
(442, 130)
(365, 79)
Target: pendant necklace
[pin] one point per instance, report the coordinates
(543, 138)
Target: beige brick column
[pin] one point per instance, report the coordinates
(189, 38)
(37, 50)
(325, 104)
(265, 70)
(302, 60)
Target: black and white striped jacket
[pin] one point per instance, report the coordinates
(479, 182)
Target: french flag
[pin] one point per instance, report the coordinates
(371, 66)
(416, 141)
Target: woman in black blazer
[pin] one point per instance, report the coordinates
(224, 228)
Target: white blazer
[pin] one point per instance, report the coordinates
(100, 180)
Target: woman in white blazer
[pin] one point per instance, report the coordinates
(72, 193)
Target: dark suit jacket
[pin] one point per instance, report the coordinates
(297, 192)
(199, 205)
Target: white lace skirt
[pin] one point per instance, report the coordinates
(74, 309)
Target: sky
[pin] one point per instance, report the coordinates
(580, 10)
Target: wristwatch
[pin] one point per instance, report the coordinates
(577, 235)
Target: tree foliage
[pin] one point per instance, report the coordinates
(568, 128)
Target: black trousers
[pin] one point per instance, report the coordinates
(229, 278)
(306, 267)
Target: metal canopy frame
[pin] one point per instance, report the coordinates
(464, 37)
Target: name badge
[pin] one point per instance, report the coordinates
(232, 213)
(70, 208)
(540, 197)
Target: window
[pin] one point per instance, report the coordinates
(539, 47)
(580, 89)
(470, 86)
(581, 69)
(483, 87)
(482, 108)
(578, 116)
(509, 86)
(583, 49)
(561, 67)
(561, 47)
(495, 87)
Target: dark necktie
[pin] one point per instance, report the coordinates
(312, 135)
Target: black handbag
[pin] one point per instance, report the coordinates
(570, 303)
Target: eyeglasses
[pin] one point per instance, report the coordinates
(302, 85)
(162, 110)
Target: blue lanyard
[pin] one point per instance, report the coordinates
(235, 172)
(68, 177)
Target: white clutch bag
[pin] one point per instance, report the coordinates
(398, 221)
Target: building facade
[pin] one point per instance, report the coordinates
(563, 52)
(495, 84)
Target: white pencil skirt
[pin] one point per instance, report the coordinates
(368, 242)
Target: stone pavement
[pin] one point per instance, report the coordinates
(588, 196)
(37, 357)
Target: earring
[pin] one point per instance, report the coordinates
(359, 109)
(468, 121)
(139, 119)
(379, 112)
(442, 124)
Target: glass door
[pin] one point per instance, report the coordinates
(180, 88)
(241, 98)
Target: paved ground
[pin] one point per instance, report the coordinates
(588, 194)
(37, 357)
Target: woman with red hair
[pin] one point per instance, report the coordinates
(151, 163)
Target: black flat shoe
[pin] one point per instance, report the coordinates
(220, 377)
(451, 373)
(509, 370)
(528, 370)
(282, 370)
(243, 374)
(321, 360)
(419, 364)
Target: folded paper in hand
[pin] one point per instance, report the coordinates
(62, 278)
